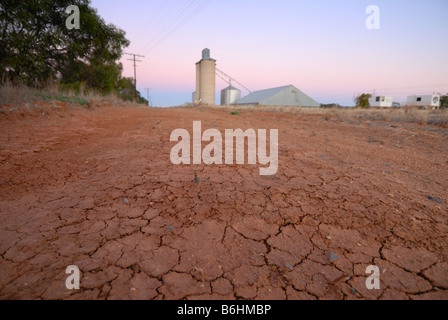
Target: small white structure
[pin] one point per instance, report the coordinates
(230, 95)
(381, 102)
(431, 101)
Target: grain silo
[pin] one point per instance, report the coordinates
(230, 95)
(205, 79)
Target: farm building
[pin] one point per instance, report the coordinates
(205, 79)
(282, 96)
(432, 101)
(230, 95)
(381, 102)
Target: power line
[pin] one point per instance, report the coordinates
(155, 15)
(135, 70)
(222, 74)
(182, 18)
(157, 24)
(225, 80)
(160, 32)
(412, 87)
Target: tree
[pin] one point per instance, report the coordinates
(363, 101)
(125, 90)
(103, 77)
(444, 102)
(36, 45)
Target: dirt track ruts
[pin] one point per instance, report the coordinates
(96, 189)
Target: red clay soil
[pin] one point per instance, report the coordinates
(96, 189)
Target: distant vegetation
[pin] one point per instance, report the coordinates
(331, 105)
(363, 101)
(444, 102)
(437, 118)
(37, 49)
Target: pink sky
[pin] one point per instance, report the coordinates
(322, 47)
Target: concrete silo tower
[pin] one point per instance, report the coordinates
(205, 79)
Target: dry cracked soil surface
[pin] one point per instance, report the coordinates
(96, 189)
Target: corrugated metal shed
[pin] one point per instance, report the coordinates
(281, 96)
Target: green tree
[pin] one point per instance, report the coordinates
(444, 102)
(36, 45)
(125, 90)
(363, 101)
(103, 77)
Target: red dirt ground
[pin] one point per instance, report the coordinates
(96, 189)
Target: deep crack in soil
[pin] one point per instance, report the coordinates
(96, 189)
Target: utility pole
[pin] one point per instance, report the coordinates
(147, 96)
(147, 93)
(135, 71)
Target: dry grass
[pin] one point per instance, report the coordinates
(404, 115)
(19, 96)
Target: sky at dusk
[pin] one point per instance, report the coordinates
(322, 47)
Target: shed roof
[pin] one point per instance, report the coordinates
(258, 96)
(282, 96)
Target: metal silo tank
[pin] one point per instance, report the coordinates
(230, 95)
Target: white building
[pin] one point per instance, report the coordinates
(432, 101)
(381, 102)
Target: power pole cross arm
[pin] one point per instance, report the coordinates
(135, 70)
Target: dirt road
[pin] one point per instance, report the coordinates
(96, 189)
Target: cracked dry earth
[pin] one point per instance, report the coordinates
(96, 189)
